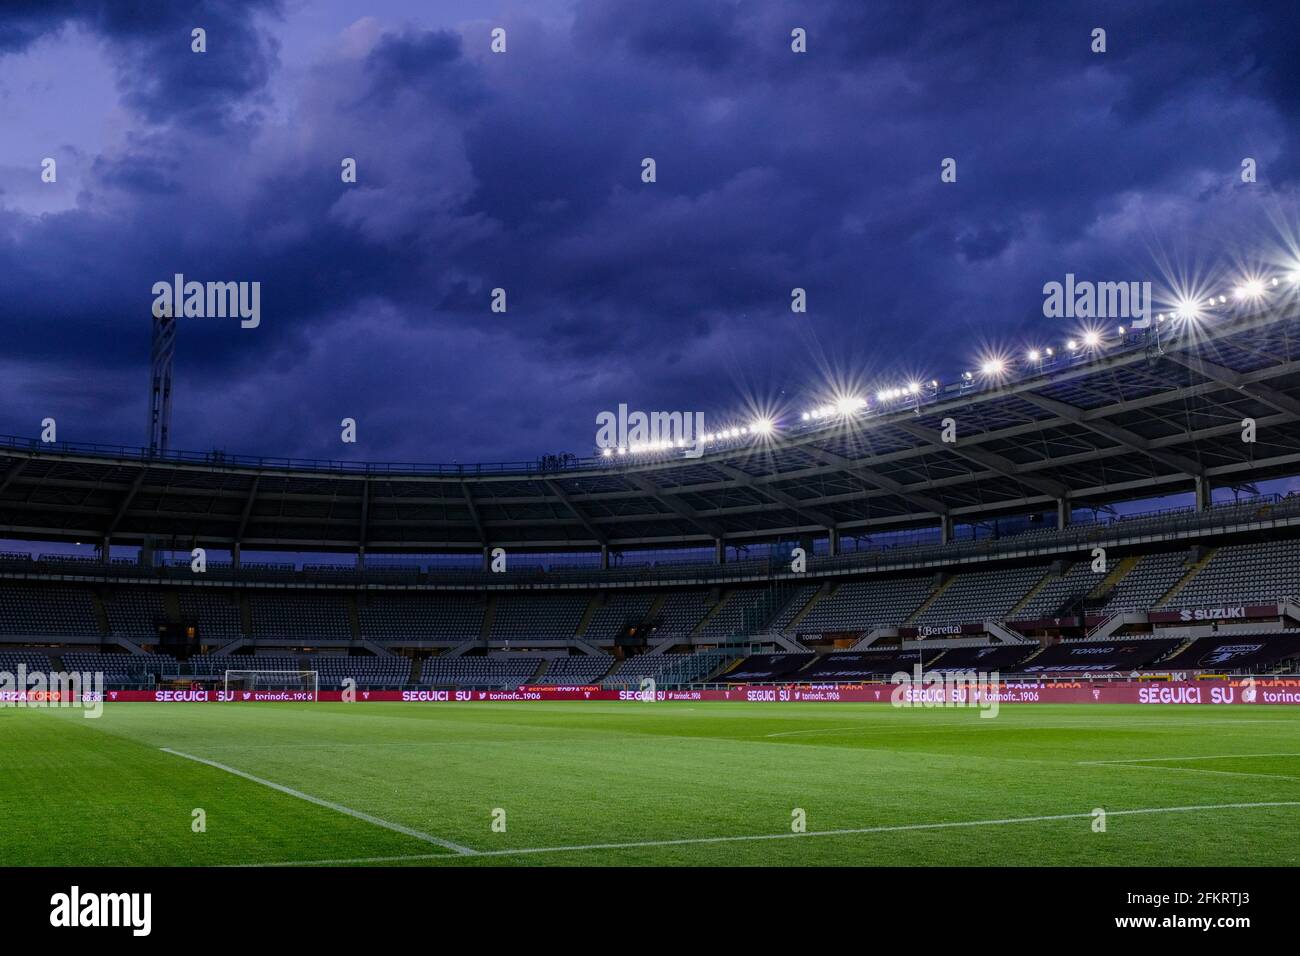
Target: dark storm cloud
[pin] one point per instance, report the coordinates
(523, 171)
(158, 74)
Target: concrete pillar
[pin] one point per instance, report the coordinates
(1203, 493)
(1062, 513)
(487, 558)
(834, 542)
(105, 549)
(720, 550)
(234, 555)
(946, 529)
(361, 558)
(604, 557)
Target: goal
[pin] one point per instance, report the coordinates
(298, 685)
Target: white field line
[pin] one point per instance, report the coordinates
(1210, 757)
(856, 831)
(329, 805)
(1153, 763)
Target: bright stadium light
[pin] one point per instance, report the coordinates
(1071, 345)
(993, 366)
(914, 387)
(606, 452)
(763, 426)
(1091, 339)
(1250, 289)
(1034, 355)
(850, 404)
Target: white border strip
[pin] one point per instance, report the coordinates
(696, 841)
(337, 807)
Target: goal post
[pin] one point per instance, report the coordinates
(305, 683)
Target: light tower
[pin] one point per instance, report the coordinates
(160, 389)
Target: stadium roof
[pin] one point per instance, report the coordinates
(1155, 417)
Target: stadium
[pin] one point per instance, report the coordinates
(731, 635)
(855, 445)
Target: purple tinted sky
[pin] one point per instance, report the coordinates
(522, 171)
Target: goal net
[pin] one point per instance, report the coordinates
(300, 685)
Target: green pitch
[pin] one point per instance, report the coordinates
(666, 784)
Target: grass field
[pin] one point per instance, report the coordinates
(412, 784)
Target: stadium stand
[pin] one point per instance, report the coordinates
(421, 617)
(133, 612)
(47, 611)
(622, 609)
(664, 669)
(370, 672)
(1079, 657)
(576, 669)
(980, 595)
(1244, 574)
(986, 659)
(543, 617)
(853, 666)
(1240, 652)
(1150, 579)
(118, 668)
(478, 671)
(215, 616)
(861, 605)
(760, 668)
(797, 601)
(291, 615)
(681, 612)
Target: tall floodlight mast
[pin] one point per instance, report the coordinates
(160, 389)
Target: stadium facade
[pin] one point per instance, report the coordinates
(1038, 446)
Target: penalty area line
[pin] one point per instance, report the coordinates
(855, 831)
(330, 805)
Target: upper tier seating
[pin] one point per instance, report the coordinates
(1150, 579)
(134, 612)
(740, 605)
(862, 605)
(543, 617)
(291, 615)
(681, 612)
(215, 614)
(975, 596)
(1244, 573)
(1058, 591)
(421, 617)
(621, 609)
(797, 601)
(47, 610)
